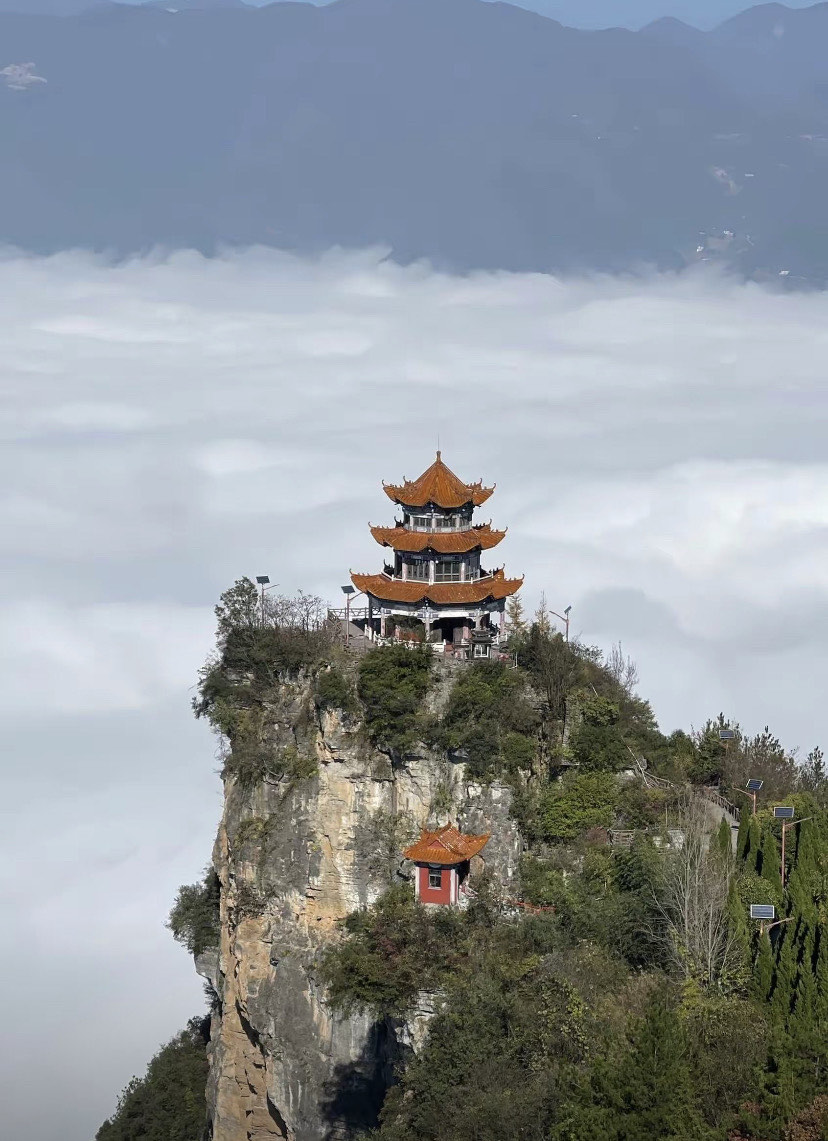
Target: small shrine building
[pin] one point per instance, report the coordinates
(443, 860)
(435, 572)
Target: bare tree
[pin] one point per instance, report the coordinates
(622, 669)
(693, 904)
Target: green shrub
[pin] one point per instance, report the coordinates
(394, 950)
(194, 919)
(334, 691)
(579, 802)
(393, 684)
(597, 744)
(169, 1102)
(490, 717)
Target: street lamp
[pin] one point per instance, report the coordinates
(349, 591)
(785, 813)
(765, 912)
(263, 580)
(565, 619)
(753, 786)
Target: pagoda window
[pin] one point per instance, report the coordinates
(418, 570)
(435, 877)
(446, 522)
(420, 522)
(447, 570)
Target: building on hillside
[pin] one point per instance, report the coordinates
(443, 859)
(434, 585)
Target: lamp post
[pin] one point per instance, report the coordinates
(263, 581)
(785, 814)
(765, 912)
(350, 593)
(753, 786)
(565, 619)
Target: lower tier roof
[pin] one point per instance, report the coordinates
(494, 586)
(447, 846)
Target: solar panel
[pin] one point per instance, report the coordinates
(726, 734)
(754, 785)
(762, 911)
(783, 813)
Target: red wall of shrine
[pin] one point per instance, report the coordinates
(440, 894)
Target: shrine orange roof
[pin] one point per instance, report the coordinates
(446, 542)
(439, 485)
(495, 586)
(446, 846)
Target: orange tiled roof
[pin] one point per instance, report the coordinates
(446, 542)
(438, 484)
(494, 586)
(446, 846)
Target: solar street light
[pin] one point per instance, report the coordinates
(726, 735)
(565, 619)
(753, 786)
(783, 812)
(762, 911)
(263, 580)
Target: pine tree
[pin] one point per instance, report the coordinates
(753, 840)
(515, 617)
(649, 1093)
(763, 975)
(723, 843)
(767, 860)
(742, 836)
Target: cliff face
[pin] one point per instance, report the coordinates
(294, 857)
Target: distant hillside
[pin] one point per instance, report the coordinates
(473, 134)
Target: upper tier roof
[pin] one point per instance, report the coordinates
(445, 542)
(447, 846)
(439, 485)
(495, 586)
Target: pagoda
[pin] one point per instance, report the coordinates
(434, 575)
(443, 859)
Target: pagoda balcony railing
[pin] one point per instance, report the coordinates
(435, 527)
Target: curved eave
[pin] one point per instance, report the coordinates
(408, 496)
(445, 542)
(493, 588)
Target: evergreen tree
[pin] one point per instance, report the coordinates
(168, 1103)
(763, 973)
(723, 843)
(753, 840)
(742, 837)
(767, 860)
(645, 1094)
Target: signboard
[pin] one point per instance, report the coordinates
(726, 734)
(762, 911)
(754, 785)
(783, 813)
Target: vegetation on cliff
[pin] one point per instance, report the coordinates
(636, 1000)
(167, 1103)
(194, 918)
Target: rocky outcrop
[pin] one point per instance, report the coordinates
(294, 856)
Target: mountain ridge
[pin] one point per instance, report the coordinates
(474, 135)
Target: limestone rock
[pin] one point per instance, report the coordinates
(294, 857)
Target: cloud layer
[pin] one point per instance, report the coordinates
(171, 424)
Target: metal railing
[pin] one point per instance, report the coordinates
(716, 797)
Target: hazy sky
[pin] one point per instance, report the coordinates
(658, 448)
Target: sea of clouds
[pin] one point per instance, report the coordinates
(171, 424)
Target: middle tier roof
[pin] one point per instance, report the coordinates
(445, 542)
